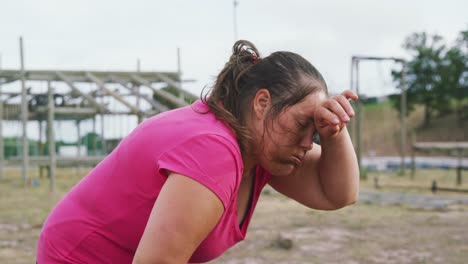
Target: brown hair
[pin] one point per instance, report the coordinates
(286, 75)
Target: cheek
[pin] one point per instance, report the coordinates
(273, 152)
(284, 136)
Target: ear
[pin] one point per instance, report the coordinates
(261, 103)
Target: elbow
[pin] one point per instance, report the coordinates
(351, 201)
(336, 205)
(342, 205)
(142, 260)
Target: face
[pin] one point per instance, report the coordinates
(283, 141)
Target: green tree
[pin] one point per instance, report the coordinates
(462, 92)
(423, 76)
(452, 72)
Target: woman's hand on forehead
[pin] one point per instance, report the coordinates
(332, 115)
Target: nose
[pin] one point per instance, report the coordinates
(306, 142)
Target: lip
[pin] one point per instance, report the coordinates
(297, 160)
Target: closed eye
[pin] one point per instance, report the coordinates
(302, 125)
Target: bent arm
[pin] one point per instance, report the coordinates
(183, 215)
(338, 170)
(328, 178)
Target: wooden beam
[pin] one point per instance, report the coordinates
(108, 91)
(156, 105)
(79, 76)
(90, 99)
(51, 137)
(168, 96)
(174, 84)
(39, 143)
(10, 80)
(24, 120)
(78, 144)
(103, 140)
(86, 111)
(60, 161)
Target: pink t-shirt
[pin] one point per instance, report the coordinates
(102, 219)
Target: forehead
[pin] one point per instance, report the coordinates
(307, 106)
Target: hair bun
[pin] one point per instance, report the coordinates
(245, 51)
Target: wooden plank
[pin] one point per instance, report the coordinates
(10, 80)
(60, 161)
(174, 84)
(108, 91)
(52, 159)
(24, 121)
(89, 98)
(156, 105)
(460, 147)
(168, 96)
(80, 76)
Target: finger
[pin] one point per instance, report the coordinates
(345, 104)
(348, 94)
(325, 117)
(334, 106)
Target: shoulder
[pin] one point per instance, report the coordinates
(209, 159)
(189, 121)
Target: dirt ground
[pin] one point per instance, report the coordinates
(282, 231)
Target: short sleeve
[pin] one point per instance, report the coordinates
(211, 160)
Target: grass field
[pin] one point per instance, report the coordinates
(282, 231)
(381, 129)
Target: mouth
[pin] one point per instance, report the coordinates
(297, 160)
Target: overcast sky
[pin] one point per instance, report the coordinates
(111, 35)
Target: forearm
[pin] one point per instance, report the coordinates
(338, 169)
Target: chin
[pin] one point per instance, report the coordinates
(282, 170)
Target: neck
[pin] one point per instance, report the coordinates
(249, 166)
(249, 158)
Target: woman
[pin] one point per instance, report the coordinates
(183, 185)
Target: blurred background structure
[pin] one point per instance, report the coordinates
(425, 121)
(49, 98)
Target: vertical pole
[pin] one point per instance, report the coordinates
(94, 136)
(40, 145)
(78, 144)
(137, 88)
(459, 166)
(179, 75)
(1, 127)
(51, 136)
(39, 132)
(24, 119)
(413, 158)
(403, 119)
(235, 3)
(358, 124)
(103, 140)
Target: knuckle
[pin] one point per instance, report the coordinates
(334, 102)
(342, 98)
